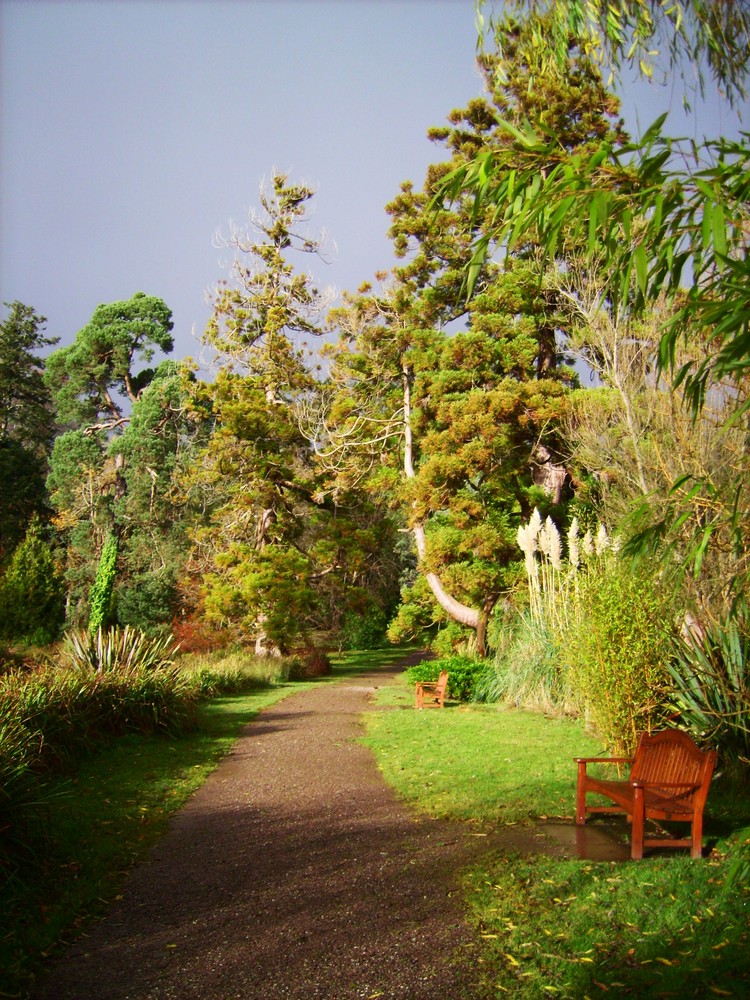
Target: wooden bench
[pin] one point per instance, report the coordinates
(431, 694)
(668, 780)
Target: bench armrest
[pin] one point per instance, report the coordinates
(604, 760)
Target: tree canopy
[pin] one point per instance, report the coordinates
(26, 425)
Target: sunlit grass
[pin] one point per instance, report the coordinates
(666, 926)
(477, 762)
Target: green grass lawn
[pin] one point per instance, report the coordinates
(666, 926)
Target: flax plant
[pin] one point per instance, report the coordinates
(126, 650)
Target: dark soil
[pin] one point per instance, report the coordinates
(293, 872)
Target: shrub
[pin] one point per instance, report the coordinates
(146, 603)
(364, 630)
(306, 666)
(116, 681)
(463, 674)
(75, 710)
(124, 650)
(232, 671)
(617, 651)
(32, 593)
(712, 688)
(195, 635)
(105, 685)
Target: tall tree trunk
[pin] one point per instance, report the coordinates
(263, 646)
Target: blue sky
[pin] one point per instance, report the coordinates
(133, 131)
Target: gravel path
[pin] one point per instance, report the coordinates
(294, 872)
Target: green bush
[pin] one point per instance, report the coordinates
(50, 717)
(146, 603)
(463, 674)
(32, 595)
(364, 630)
(232, 671)
(617, 649)
(111, 683)
(712, 688)
(125, 650)
(103, 686)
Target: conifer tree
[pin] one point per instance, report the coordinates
(97, 386)
(26, 424)
(253, 547)
(32, 592)
(469, 415)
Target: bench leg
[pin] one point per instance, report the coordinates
(697, 832)
(639, 818)
(581, 796)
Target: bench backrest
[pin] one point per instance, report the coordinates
(442, 681)
(671, 756)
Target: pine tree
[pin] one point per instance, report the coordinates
(470, 416)
(97, 386)
(26, 424)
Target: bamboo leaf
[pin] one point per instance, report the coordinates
(641, 267)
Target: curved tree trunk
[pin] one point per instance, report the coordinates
(459, 612)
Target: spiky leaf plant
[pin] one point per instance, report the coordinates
(712, 687)
(125, 650)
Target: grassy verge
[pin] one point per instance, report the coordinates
(663, 927)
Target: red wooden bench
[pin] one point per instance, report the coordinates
(431, 694)
(668, 780)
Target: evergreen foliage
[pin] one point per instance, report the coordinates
(276, 504)
(472, 415)
(464, 673)
(652, 214)
(32, 593)
(26, 425)
(277, 557)
(106, 452)
(617, 650)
